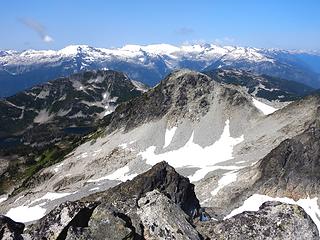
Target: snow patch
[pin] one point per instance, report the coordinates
(3, 199)
(169, 136)
(43, 116)
(57, 168)
(50, 196)
(224, 181)
(119, 175)
(264, 108)
(26, 214)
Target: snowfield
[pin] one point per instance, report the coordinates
(206, 158)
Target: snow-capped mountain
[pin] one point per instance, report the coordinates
(151, 63)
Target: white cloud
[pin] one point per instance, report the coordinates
(47, 39)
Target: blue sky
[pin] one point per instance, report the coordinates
(288, 24)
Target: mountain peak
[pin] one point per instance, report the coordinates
(74, 49)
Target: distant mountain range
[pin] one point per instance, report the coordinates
(151, 63)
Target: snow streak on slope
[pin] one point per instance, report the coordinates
(119, 175)
(169, 135)
(224, 181)
(254, 202)
(266, 109)
(192, 155)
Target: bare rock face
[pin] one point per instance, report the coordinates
(55, 224)
(163, 219)
(10, 229)
(294, 166)
(274, 220)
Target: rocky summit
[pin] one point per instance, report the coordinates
(159, 204)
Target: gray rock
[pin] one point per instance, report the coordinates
(162, 219)
(56, 224)
(274, 220)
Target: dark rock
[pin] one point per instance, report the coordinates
(161, 177)
(10, 229)
(105, 223)
(293, 168)
(264, 86)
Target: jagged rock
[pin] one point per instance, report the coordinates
(162, 177)
(113, 213)
(56, 224)
(162, 219)
(274, 220)
(10, 229)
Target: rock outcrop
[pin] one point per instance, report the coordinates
(274, 220)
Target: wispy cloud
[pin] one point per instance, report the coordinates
(38, 28)
(184, 31)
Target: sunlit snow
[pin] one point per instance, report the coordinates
(50, 196)
(26, 213)
(192, 155)
(120, 175)
(169, 135)
(224, 181)
(57, 168)
(266, 109)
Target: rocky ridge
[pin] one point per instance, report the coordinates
(159, 210)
